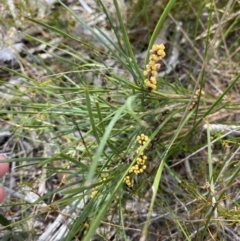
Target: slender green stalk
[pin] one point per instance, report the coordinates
(158, 27)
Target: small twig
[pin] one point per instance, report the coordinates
(188, 170)
(85, 6)
(62, 222)
(223, 128)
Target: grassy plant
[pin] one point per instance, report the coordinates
(129, 158)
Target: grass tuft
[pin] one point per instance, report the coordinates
(106, 145)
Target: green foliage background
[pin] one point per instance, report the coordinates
(85, 134)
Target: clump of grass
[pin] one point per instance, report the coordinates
(86, 133)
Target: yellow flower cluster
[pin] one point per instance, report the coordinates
(197, 94)
(142, 139)
(140, 166)
(94, 192)
(157, 53)
(128, 181)
(103, 178)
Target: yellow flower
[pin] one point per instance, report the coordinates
(142, 139)
(140, 166)
(94, 192)
(128, 181)
(157, 53)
